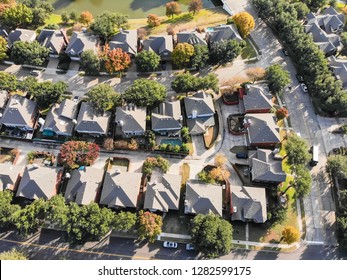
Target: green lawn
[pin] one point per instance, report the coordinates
(53, 19)
(248, 52)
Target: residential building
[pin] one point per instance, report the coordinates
(125, 40)
(84, 185)
(9, 176)
(161, 45)
(61, 119)
(192, 38)
(248, 204)
(256, 100)
(262, 130)
(329, 20)
(54, 40)
(163, 192)
(223, 32)
(130, 121)
(91, 121)
(265, 167)
(79, 43)
(339, 68)
(167, 118)
(121, 189)
(200, 112)
(203, 198)
(39, 182)
(20, 113)
(23, 35)
(3, 33)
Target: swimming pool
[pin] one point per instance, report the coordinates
(173, 142)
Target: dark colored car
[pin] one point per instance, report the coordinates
(285, 52)
(242, 155)
(300, 78)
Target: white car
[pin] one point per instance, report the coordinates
(189, 247)
(172, 245)
(304, 87)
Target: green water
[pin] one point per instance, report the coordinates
(133, 8)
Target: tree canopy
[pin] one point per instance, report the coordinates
(182, 55)
(277, 78)
(297, 150)
(90, 62)
(13, 254)
(195, 6)
(17, 16)
(150, 225)
(290, 234)
(302, 180)
(8, 81)
(223, 52)
(41, 10)
(3, 48)
(7, 209)
(105, 25)
(86, 18)
(116, 60)
(186, 82)
(57, 211)
(147, 61)
(201, 56)
(29, 53)
(103, 97)
(244, 22)
(173, 8)
(153, 20)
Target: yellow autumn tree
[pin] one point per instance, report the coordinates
(290, 234)
(220, 160)
(244, 22)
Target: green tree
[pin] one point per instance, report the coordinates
(7, 209)
(29, 53)
(124, 221)
(290, 235)
(343, 38)
(147, 61)
(172, 8)
(224, 52)
(90, 62)
(8, 81)
(297, 150)
(73, 16)
(201, 56)
(277, 78)
(184, 82)
(150, 225)
(104, 25)
(47, 93)
(211, 235)
(65, 17)
(103, 97)
(121, 20)
(3, 48)
(337, 166)
(13, 254)
(41, 10)
(17, 16)
(57, 211)
(195, 6)
(182, 55)
(28, 84)
(314, 5)
(210, 81)
(301, 9)
(185, 134)
(145, 92)
(302, 180)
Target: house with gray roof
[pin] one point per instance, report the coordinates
(22, 35)
(84, 185)
(223, 32)
(265, 167)
(329, 20)
(339, 69)
(130, 121)
(203, 198)
(200, 112)
(120, 189)
(262, 130)
(91, 121)
(163, 192)
(80, 42)
(256, 100)
(20, 113)
(125, 40)
(9, 176)
(39, 182)
(54, 40)
(167, 118)
(61, 119)
(161, 45)
(248, 204)
(192, 38)
(3, 33)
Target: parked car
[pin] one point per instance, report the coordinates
(285, 52)
(75, 99)
(300, 78)
(190, 247)
(304, 87)
(35, 72)
(171, 245)
(242, 155)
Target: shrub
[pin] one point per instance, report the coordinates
(108, 144)
(133, 145)
(230, 20)
(281, 113)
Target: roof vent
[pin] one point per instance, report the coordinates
(74, 121)
(67, 175)
(194, 114)
(234, 209)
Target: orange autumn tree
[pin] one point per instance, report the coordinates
(116, 61)
(4, 4)
(86, 18)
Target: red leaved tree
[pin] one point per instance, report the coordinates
(116, 61)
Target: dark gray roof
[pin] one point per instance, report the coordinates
(163, 192)
(224, 33)
(249, 203)
(8, 174)
(23, 35)
(200, 105)
(54, 40)
(167, 116)
(19, 112)
(161, 45)
(330, 41)
(38, 182)
(265, 168)
(262, 128)
(200, 125)
(84, 185)
(3, 98)
(131, 118)
(339, 67)
(3, 33)
(191, 37)
(125, 40)
(60, 117)
(91, 121)
(257, 98)
(120, 189)
(203, 198)
(80, 42)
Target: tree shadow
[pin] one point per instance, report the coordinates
(266, 255)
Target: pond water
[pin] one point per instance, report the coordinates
(133, 8)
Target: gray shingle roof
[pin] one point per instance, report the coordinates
(265, 168)
(161, 45)
(84, 185)
(224, 33)
(339, 68)
(200, 125)
(54, 40)
(38, 182)
(91, 121)
(23, 35)
(80, 42)
(200, 104)
(163, 192)
(131, 118)
(121, 189)
(8, 174)
(125, 40)
(262, 128)
(332, 41)
(191, 37)
(167, 116)
(203, 198)
(19, 112)
(250, 204)
(256, 99)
